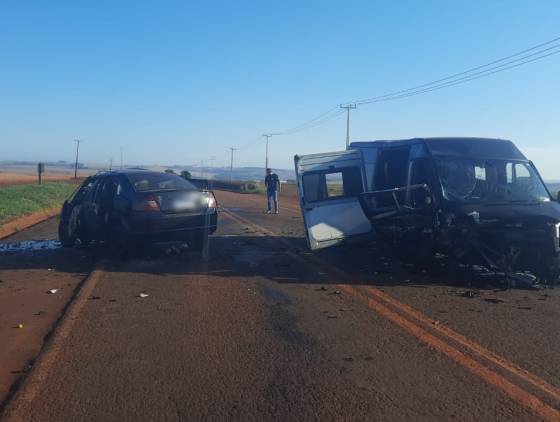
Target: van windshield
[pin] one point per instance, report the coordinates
(490, 181)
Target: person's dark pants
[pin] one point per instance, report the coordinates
(272, 196)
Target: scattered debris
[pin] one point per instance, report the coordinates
(349, 359)
(143, 295)
(523, 280)
(332, 316)
(52, 291)
(470, 294)
(112, 300)
(39, 313)
(20, 325)
(493, 300)
(95, 297)
(50, 269)
(321, 289)
(336, 292)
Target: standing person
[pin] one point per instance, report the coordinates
(272, 183)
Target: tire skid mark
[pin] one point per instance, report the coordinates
(491, 377)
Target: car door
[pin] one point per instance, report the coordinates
(90, 210)
(328, 187)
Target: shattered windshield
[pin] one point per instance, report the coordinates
(490, 181)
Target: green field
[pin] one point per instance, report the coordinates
(19, 200)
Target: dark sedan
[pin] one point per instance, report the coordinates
(133, 207)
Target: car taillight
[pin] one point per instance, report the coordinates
(150, 203)
(211, 201)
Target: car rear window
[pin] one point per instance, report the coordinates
(152, 182)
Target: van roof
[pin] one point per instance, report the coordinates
(487, 148)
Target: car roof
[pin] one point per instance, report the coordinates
(125, 172)
(489, 148)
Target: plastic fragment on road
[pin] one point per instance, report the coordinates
(494, 300)
(143, 295)
(52, 291)
(20, 325)
(470, 294)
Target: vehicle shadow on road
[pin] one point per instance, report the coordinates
(248, 255)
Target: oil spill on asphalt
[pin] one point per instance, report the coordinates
(276, 295)
(29, 246)
(248, 255)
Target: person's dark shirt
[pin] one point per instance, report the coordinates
(271, 182)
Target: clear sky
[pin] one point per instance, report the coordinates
(179, 82)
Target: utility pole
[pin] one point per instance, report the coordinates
(348, 107)
(110, 164)
(267, 136)
(231, 165)
(78, 141)
(121, 159)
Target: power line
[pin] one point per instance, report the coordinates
(455, 75)
(511, 61)
(327, 116)
(303, 125)
(454, 82)
(477, 72)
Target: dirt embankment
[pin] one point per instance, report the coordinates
(8, 179)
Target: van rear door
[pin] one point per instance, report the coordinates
(328, 186)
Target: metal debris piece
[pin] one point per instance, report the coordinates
(493, 300)
(470, 294)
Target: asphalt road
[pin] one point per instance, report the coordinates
(268, 331)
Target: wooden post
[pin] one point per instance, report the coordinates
(40, 171)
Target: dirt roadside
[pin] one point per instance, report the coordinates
(9, 179)
(31, 264)
(26, 221)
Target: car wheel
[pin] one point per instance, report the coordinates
(66, 234)
(68, 229)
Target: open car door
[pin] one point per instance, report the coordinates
(328, 186)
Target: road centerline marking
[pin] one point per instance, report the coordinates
(514, 391)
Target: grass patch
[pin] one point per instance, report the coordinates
(19, 200)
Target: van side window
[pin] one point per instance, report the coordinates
(392, 169)
(320, 186)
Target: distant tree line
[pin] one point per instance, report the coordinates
(185, 174)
